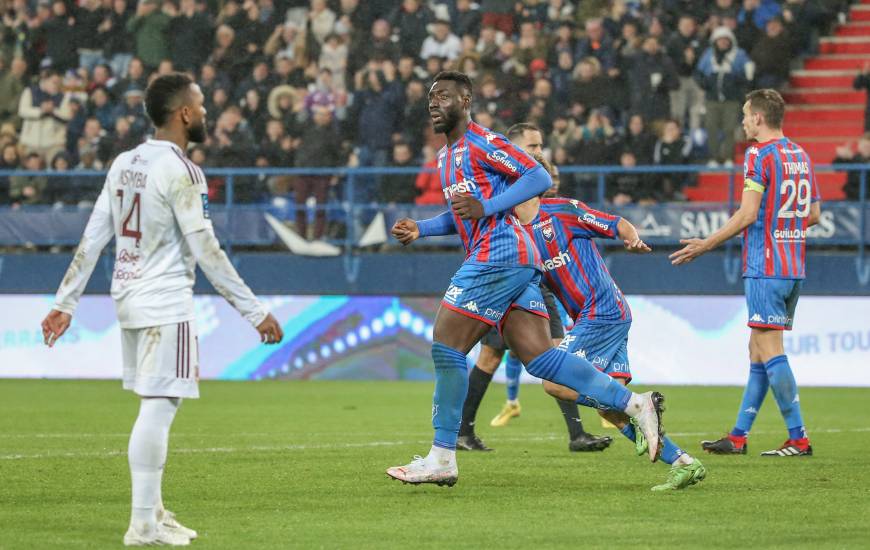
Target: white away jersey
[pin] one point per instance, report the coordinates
(152, 198)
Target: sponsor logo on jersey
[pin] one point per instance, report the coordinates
(122, 274)
(471, 306)
(461, 149)
(464, 186)
(452, 294)
(789, 235)
(441, 160)
(500, 157)
(205, 213)
(543, 223)
(493, 313)
(592, 220)
(549, 234)
(138, 159)
(127, 257)
(556, 262)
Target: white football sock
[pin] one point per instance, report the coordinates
(149, 442)
(685, 459)
(439, 456)
(635, 405)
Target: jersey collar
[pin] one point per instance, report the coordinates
(164, 143)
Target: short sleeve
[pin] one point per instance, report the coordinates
(586, 222)
(500, 156)
(753, 171)
(187, 193)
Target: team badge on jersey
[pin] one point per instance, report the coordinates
(548, 233)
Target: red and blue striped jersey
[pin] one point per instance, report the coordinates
(774, 246)
(483, 163)
(573, 268)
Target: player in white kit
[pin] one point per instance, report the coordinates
(155, 204)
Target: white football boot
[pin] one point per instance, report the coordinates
(156, 536)
(647, 412)
(170, 523)
(420, 470)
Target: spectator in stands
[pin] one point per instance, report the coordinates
(409, 21)
(191, 33)
(772, 55)
(277, 146)
(638, 140)
(862, 81)
(135, 78)
(58, 189)
(59, 34)
(9, 160)
(12, 85)
(399, 188)
(133, 109)
(724, 72)
(684, 48)
(122, 139)
(116, 39)
(415, 117)
(377, 46)
(320, 145)
(672, 149)
(286, 40)
(441, 42)
(651, 80)
(626, 188)
(846, 155)
(530, 45)
(259, 80)
(44, 109)
(598, 45)
(428, 182)
(150, 30)
(333, 58)
(591, 87)
(562, 78)
(378, 100)
(321, 20)
(804, 20)
(467, 19)
(88, 19)
(28, 189)
(101, 107)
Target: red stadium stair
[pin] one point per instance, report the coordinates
(824, 111)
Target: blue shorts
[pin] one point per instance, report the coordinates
(605, 345)
(488, 292)
(772, 302)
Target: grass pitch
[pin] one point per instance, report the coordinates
(301, 465)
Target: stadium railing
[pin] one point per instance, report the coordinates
(361, 222)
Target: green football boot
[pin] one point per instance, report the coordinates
(641, 446)
(682, 476)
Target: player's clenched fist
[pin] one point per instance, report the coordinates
(54, 325)
(466, 207)
(405, 231)
(270, 331)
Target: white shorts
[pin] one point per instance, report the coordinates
(161, 361)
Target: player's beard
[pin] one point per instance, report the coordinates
(196, 132)
(449, 119)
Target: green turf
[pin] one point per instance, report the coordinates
(301, 465)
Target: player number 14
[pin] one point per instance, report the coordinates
(135, 211)
(795, 192)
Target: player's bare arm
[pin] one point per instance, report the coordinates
(405, 231)
(630, 237)
(743, 218)
(815, 214)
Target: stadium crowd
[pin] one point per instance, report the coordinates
(344, 82)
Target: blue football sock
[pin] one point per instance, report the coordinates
(578, 374)
(785, 391)
(513, 368)
(753, 397)
(451, 385)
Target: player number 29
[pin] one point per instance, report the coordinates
(795, 192)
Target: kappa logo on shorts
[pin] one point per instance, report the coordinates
(756, 318)
(471, 306)
(581, 353)
(452, 294)
(566, 343)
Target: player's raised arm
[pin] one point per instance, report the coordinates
(97, 234)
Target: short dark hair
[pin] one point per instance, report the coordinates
(519, 128)
(461, 79)
(770, 104)
(163, 94)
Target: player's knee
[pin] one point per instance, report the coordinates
(560, 392)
